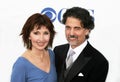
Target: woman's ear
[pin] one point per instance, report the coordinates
(29, 38)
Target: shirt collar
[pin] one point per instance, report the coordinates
(78, 50)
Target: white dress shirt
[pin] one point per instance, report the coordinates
(77, 50)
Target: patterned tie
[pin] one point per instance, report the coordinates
(69, 59)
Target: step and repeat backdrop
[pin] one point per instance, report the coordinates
(105, 36)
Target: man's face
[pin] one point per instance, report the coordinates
(75, 33)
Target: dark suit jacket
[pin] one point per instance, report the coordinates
(91, 63)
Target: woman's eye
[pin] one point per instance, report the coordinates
(46, 33)
(35, 33)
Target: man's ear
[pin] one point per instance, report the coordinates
(87, 31)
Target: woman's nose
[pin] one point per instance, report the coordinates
(41, 37)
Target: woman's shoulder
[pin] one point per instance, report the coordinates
(20, 60)
(51, 53)
(19, 63)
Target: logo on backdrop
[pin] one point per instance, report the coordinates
(50, 12)
(53, 15)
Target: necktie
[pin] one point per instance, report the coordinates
(69, 59)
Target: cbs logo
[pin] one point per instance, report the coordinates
(53, 15)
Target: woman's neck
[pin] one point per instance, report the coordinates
(37, 53)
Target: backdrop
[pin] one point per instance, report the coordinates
(105, 36)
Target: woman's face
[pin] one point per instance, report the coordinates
(39, 38)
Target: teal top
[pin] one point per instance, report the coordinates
(24, 71)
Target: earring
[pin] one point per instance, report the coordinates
(29, 44)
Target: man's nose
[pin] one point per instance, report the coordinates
(72, 32)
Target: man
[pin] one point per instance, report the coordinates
(89, 65)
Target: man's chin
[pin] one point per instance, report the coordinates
(73, 43)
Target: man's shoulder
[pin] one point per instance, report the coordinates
(62, 46)
(96, 53)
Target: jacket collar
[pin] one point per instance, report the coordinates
(81, 61)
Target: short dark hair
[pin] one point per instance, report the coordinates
(39, 20)
(80, 13)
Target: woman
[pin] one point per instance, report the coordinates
(37, 63)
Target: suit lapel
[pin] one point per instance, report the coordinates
(65, 50)
(81, 61)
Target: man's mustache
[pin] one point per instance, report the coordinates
(73, 36)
